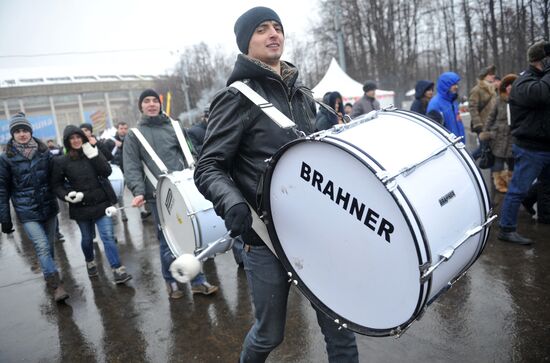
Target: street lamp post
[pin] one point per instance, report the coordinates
(185, 89)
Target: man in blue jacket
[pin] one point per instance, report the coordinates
(446, 104)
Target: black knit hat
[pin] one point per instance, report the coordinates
(88, 126)
(148, 93)
(538, 51)
(247, 23)
(369, 86)
(19, 121)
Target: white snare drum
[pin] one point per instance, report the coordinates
(117, 180)
(187, 219)
(366, 239)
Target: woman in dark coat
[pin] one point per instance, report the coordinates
(80, 178)
(424, 90)
(326, 119)
(24, 176)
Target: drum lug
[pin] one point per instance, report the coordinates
(449, 251)
(384, 177)
(423, 268)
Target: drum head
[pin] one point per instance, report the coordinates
(347, 242)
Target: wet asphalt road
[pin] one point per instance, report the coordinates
(498, 312)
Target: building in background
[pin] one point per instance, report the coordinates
(51, 103)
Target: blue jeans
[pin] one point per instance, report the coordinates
(105, 227)
(269, 288)
(42, 235)
(528, 166)
(166, 256)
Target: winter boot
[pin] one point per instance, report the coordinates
(500, 181)
(92, 268)
(56, 285)
(174, 291)
(120, 275)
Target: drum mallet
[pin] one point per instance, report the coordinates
(187, 266)
(112, 210)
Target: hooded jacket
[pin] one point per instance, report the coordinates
(75, 172)
(240, 137)
(26, 182)
(420, 102)
(445, 103)
(530, 109)
(326, 119)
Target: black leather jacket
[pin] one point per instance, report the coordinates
(240, 137)
(530, 109)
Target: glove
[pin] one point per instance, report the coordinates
(7, 227)
(89, 150)
(111, 211)
(74, 197)
(78, 198)
(477, 129)
(238, 219)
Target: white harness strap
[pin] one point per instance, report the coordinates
(160, 164)
(267, 107)
(183, 144)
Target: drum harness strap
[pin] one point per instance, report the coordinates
(152, 154)
(271, 111)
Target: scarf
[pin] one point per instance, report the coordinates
(27, 150)
(158, 120)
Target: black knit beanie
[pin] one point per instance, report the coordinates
(247, 23)
(148, 93)
(88, 126)
(19, 121)
(369, 86)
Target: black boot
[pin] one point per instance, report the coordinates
(513, 237)
(56, 285)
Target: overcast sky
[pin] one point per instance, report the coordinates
(123, 36)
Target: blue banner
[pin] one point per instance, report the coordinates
(43, 128)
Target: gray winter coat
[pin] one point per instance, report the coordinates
(365, 105)
(160, 134)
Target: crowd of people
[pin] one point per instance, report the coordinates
(232, 142)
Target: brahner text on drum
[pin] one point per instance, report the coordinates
(371, 218)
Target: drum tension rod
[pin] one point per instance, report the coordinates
(449, 251)
(386, 178)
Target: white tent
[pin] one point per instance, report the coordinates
(337, 80)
